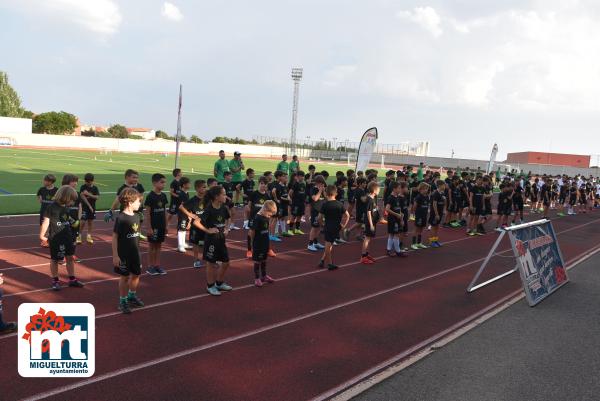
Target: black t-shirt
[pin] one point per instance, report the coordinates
(396, 205)
(138, 187)
(175, 187)
(421, 204)
(371, 206)
(157, 204)
(127, 229)
(47, 196)
(299, 194)
(183, 198)
(93, 190)
(261, 233)
(229, 188)
(60, 222)
(438, 200)
(316, 205)
(477, 195)
(282, 193)
(332, 211)
(361, 206)
(544, 192)
(351, 189)
(256, 201)
(270, 186)
(518, 191)
(248, 187)
(194, 205)
(504, 199)
(215, 218)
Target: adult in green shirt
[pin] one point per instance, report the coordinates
(420, 172)
(294, 165)
(221, 166)
(236, 166)
(283, 165)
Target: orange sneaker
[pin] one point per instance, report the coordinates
(249, 254)
(271, 253)
(366, 261)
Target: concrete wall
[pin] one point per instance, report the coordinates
(557, 159)
(15, 126)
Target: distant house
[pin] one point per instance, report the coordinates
(145, 133)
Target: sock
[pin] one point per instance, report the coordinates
(419, 239)
(180, 239)
(256, 269)
(245, 223)
(277, 227)
(123, 300)
(396, 243)
(71, 277)
(297, 225)
(131, 294)
(390, 243)
(249, 243)
(263, 268)
(283, 226)
(414, 239)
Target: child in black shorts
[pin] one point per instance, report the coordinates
(546, 196)
(436, 215)
(5, 327)
(214, 221)
(183, 222)
(360, 196)
(59, 226)
(280, 195)
(371, 219)
(174, 190)
(476, 207)
(75, 210)
(156, 203)
(256, 201)
(229, 188)
(45, 196)
(91, 194)
(420, 209)
(316, 198)
(127, 260)
(248, 188)
(505, 206)
(259, 235)
(351, 177)
(395, 219)
(334, 217)
(518, 201)
(297, 195)
(193, 209)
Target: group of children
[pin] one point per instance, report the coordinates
(276, 207)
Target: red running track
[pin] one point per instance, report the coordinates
(307, 336)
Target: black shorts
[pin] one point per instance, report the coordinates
(251, 222)
(196, 236)
(546, 202)
(351, 197)
(157, 236)
(505, 210)
(298, 209)
(87, 214)
(331, 234)
(60, 248)
(282, 209)
(314, 218)
(360, 217)
(215, 249)
(129, 265)
(182, 223)
(393, 225)
(259, 255)
(421, 219)
(453, 207)
(561, 199)
(572, 201)
(433, 221)
(172, 210)
(368, 232)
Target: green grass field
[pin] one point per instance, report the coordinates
(22, 170)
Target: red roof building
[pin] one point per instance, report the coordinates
(553, 159)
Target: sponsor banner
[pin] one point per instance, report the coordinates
(56, 340)
(366, 149)
(540, 261)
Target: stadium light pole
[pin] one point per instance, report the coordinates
(296, 77)
(178, 138)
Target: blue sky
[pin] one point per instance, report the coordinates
(461, 74)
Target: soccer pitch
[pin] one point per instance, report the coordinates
(22, 170)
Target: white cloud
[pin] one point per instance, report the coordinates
(338, 74)
(170, 11)
(426, 17)
(99, 16)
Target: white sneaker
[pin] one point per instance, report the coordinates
(188, 246)
(319, 246)
(341, 241)
(312, 248)
(303, 219)
(181, 249)
(233, 227)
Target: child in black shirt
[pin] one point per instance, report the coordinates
(193, 209)
(183, 222)
(396, 219)
(248, 188)
(259, 236)
(91, 194)
(438, 204)
(255, 202)
(127, 261)
(45, 196)
(297, 194)
(174, 190)
(229, 188)
(371, 220)
(420, 209)
(316, 201)
(214, 221)
(334, 217)
(156, 201)
(59, 228)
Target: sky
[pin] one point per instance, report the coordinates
(460, 74)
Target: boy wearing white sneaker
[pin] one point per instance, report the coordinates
(316, 199)
(259, 236)
(183, 221)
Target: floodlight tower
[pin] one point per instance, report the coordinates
(297, 77)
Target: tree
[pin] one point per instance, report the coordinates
(10, 104)
(88, 132)
(54, 123)
(162, 134)
(195, 139)
(118, 131)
